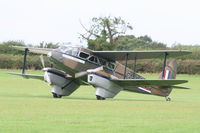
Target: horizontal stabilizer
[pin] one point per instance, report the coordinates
(31, 76)
(35, 50)
(147, 82)
(180, 87)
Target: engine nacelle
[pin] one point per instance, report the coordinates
(60, 85)
(104, 87)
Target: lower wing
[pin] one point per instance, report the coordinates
(27, 76)
(147, 82)
(41, 77)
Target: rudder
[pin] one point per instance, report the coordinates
(170, 71)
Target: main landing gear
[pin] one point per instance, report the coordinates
(168, 98)
(100, 98)
(56, 95)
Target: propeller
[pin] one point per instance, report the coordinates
(42, 60)
(83, 73)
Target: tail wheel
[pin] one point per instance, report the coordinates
(100, 98)
(56, 95)
(168, 99)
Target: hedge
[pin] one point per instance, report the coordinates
(8, 61)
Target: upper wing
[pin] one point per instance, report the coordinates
(35, 50)
(132, 55)
(147, 82)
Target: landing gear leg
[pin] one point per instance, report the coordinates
(168, 98)
(56, 95)
(100, 98)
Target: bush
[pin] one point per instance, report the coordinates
(155, 66)
(8, 61)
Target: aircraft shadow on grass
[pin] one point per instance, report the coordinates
(76, 98)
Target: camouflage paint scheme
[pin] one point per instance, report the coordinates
(69, 61)
(118, 72)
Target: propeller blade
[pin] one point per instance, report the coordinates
(83, 73)
(95, 70)
(42, 61)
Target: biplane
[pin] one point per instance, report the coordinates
(106, 71)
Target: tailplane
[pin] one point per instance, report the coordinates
(169, 73)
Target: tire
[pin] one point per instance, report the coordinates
(100, 98)
(168, 99)
(56, 95)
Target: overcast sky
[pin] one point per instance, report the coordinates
(34, 21)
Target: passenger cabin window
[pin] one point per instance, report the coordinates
(111, 65)
(102, 61)
(83, 55)
(93, 59)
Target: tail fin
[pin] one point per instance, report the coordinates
(170, 71)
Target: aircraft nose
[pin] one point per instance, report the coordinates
(55, 55)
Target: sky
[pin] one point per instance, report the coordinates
(34, 21)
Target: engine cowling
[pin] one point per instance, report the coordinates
(60, 85)
(104, 87)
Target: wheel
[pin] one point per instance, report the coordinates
(168, 99)
(100, 98)
(56, 95)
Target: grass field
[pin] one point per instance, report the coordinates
(26, 106)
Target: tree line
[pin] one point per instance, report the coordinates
(107, 33)
(11, 58)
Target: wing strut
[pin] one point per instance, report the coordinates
(24, 63)
(135, 64)
(125, 65)
(164, 64)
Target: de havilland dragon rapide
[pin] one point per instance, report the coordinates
(106, 71)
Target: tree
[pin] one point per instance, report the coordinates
(6, 47)
(48, 45)
(103, 31)
(130, 42)
(145, 38)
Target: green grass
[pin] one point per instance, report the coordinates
(26, 106)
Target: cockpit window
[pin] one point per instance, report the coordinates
(69, 50)
(62, 48)
(75, 51)
(83, 55)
